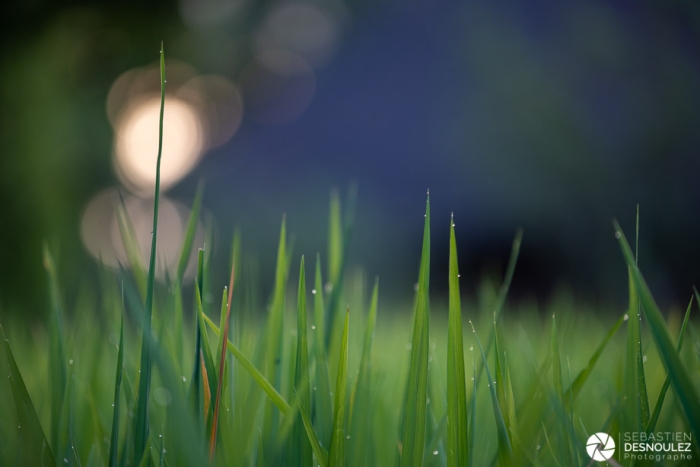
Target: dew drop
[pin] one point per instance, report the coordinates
(644, 359)
(459, 275)
(626, 317)
(160, 436)
(538, 448)
(313, 326)
(618, 234)
(313, 291)
(471, 348)
(70, 361)
(347, 436)
(184, 379)
(435, 453)
(112, 405)
(65, 460)
(408, 346)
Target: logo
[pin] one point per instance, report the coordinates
(600, 447)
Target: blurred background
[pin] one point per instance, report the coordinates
(553, 116)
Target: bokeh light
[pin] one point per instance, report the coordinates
(102, 237)
(277, 87)
(301, 28)
(136, 143)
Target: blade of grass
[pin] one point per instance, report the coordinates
(322, 396)
(275, 322)
(682, 384)
(32, 439)
(301, 447)
(261, 381)
(559, 387)
(457, 429)
(222, 362)
(58, 357)
(582, 377)
(209, 378)
(196, 394)
(361, 413)
(114, 444)
(141, 430)
(190, 232)
(339, 241)
(320, 453)
(662, 394)
(415, 410)
(505, 447)
(336, 454)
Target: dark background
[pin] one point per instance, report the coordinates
(553, 116)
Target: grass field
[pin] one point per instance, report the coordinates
(324, 373)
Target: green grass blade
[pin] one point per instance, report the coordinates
(415, 410)
(662, 394)
(209, 370)
(34, 448)
(301, 448)
(322, 395)
(190, 232)
(361, 412)
(196, 387)
(559, 388)
(114, 444)
(339, 235)
(274, 328)
(336, 455)
(472, 421)
(321, 454)
(635, 381)
(505, 447)
(682, 384)
(58, 356)
(141, 429)
(457, 442)
(221, 349)
(261, 381)
(131, 247)
(575, 388)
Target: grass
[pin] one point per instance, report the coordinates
(152, 379)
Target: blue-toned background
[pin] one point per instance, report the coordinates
(556, 117)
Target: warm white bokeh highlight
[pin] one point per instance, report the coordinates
(136, 143)
(102, 236)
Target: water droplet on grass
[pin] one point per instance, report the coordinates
(184, 379)
(313, 291)
(618, 234)
(626, 317)
(435, 453)
(313, 327)
(70, 361)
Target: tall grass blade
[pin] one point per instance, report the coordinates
(662, 394)
(457, 428)
(505, 447)
(33, 448)
(141, 429)
(261, 381)
(415, 410)
(131, 247)
(322, 396)
(114, 443)
(559, 390)
(320, 453)
(196, 386)
(575, 388)
(301, 448)
(682, 384)
(209, 378)
(190, 232)
(336, 454)
(274, 328)
(361, 413)
(339, 234)
(222, 362)
(58, 356)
